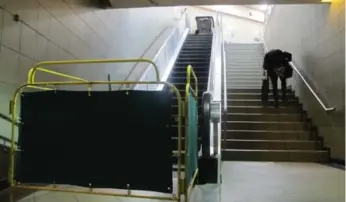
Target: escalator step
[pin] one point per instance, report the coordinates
(186, 63)
(196, 51)
(196, 68)
(183, 73)
(193, 60)
(183, 80)
(194, 55)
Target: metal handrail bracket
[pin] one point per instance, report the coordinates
(294, 67)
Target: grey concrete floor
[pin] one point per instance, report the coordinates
(281, 182)
(242, 182)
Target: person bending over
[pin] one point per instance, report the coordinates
(276, 65)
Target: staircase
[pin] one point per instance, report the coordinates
(196, 52)
(258, 133)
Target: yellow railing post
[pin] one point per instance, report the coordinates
(189, 72)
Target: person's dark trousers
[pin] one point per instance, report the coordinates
(274, 79)
(265, 90)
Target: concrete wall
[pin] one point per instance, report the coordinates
(240, 11)
(236, 29)
(315, 35)
(72, 29)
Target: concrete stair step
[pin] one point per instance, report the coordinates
(256, 96)
(232, 74)
(244, 57)
(263, 125)
(250, 49)
(268, 135)
(231, 83)
(244, 47)
(244, 69)
(240, 61)
(271, 144)
(249, 90)
(253, 72)
(236, 67)
(245, 79)
(252, 102)
(264, 117)
(242, 54)
(275, 155)
(244, 87)
(265, 109)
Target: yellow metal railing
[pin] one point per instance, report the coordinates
(187, 185)
(13, 149)
(188, 81)
(38, 67)
(31, 83)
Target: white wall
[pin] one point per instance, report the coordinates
(315, 35)
(236, 30)
(241, 11)
(72, 29)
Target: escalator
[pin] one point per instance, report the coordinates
(196, 51)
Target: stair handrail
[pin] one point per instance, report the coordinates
(294, 67)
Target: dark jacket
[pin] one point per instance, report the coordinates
(275, 59)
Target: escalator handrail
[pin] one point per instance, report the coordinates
(211, 66)
(215, 54)
(224, 67)
(319, 100)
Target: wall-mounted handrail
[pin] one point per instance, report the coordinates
(311, 90)
(306, 83)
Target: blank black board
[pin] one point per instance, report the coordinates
(119, 139)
